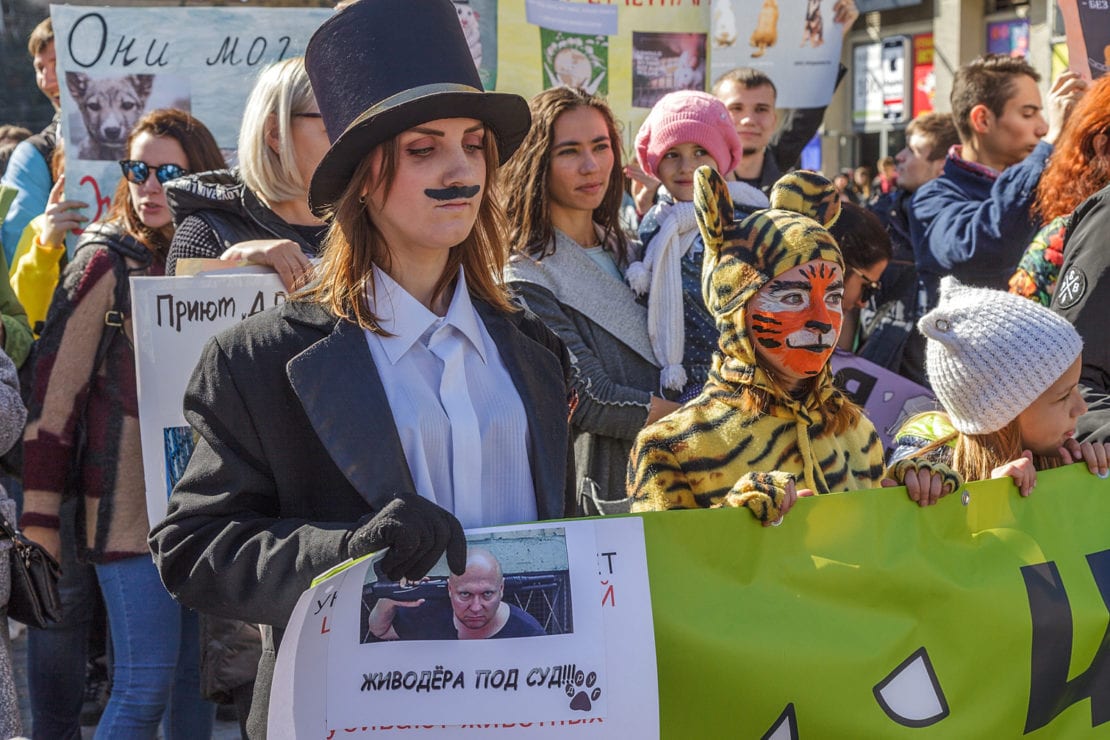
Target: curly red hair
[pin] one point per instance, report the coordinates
(1076, 171)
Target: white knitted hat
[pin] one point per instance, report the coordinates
(990, 354)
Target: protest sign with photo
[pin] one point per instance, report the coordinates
(173, 318)
(863, 615)
(117, 63)
(794, 42)
(580, 653)
(1087, 26)
(632, 54)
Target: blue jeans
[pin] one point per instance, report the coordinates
(156, 658)
(57, 655)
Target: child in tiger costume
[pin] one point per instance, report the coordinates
(769, 413)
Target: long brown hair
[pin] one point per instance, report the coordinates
(1076, 170)
(525, 178)
(354, 244)
(975, 456)
(201, 153)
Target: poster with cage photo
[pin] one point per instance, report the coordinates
(515, 585)
(548, 627)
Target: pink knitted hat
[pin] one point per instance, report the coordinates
(688, 116)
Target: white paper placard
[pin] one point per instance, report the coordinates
(593, 669)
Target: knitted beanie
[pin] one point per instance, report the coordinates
(990, 354)
(688, 116)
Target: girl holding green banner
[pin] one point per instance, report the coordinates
(977, 339)
(769, 420)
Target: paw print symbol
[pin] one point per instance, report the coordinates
(581, 698)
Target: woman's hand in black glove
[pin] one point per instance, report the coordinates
(416, 531)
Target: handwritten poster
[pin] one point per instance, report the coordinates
(580, 655)
(116, 64)
(173, 317)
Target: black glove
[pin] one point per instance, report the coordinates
(416, 531)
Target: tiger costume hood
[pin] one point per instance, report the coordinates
(745, 436)
(740, 258)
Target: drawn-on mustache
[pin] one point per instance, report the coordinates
(455, 193)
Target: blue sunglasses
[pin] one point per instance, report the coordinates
(137, 171)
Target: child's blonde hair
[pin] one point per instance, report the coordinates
(975, 456)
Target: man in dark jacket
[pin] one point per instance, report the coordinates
(974, 221)
(890, 330)
(750, 97)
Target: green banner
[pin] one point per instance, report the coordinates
(864, 615)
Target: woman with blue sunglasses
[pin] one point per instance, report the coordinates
(85, 387)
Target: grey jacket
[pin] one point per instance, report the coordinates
(614, 370)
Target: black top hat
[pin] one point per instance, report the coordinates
(380, 67)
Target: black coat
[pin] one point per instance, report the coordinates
(296, 443)
(1083, 297)
(228, 212)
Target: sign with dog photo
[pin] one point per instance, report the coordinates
(117, 64)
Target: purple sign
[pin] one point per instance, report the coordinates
(887, 398)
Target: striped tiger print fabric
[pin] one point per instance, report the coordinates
(744, 437)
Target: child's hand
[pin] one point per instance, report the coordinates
(767, 495)
(926, 482)
(1097, 456)
(1021, 470)
(788, 504)
(643, 187)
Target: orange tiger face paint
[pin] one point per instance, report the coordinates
(794, 320)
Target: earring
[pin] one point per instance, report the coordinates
(362, 200)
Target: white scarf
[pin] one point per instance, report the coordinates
(660, 276)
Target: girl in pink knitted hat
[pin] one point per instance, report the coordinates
(685, 130)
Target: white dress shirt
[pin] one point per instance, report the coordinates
(485, 478)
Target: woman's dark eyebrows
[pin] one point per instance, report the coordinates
(575, 142)
(780, 285)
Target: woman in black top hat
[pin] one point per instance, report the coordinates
(402, 394)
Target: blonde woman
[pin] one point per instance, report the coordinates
(259, 211)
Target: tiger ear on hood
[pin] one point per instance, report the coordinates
(809, 194)
(713, 207)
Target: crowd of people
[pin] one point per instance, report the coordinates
(495, 319)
